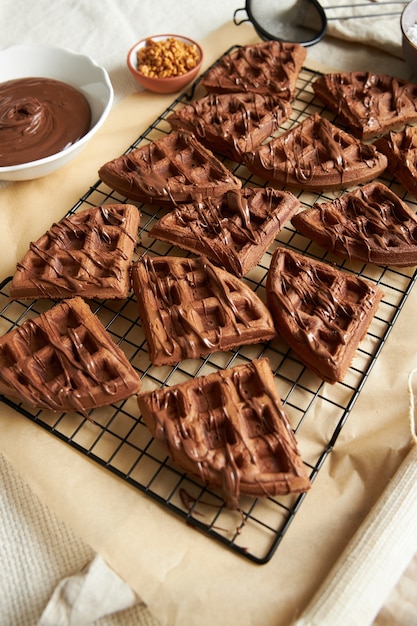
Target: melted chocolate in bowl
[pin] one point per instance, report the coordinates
(39, 117)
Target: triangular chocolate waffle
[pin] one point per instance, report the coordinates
(190, 308)
(400, 148)
(232, 124)
(230, 430)
(369, 103)
(370, 224)
(170, 170)
(315, 155)
(268, 67)
(321, 312)
(233, 231)
(65, 360)
(87, 254)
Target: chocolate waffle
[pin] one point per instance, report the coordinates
(400, 148)
(321, 312)
(316, 155)
(65, 360)
(86, 254)
(229, 429)
(369, 224)
(368, 103)
(233, 231)
(170, 170)
(232, 124)
(190, 308)
(269, 68)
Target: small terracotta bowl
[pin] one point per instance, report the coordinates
(409, 35)
(163, 85)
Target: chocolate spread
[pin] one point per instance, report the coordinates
(39, 117)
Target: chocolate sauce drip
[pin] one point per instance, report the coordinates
(315, 154)
(60, 362)
(189, 308)
(186, 321)
(321, 312)
(370, 223)
(368, 103)
(232, 124)
(171, 170)
(270, 67)
(231, 430)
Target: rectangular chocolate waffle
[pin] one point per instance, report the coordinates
(230, 430)
(65, 360)
(234, 230)
(189, 308)
(320, 311)
(87, 254)
(174, 169)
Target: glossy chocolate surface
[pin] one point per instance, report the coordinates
(230, 430)
(189, 308)
(369, 224)
(320, 311)
(369, 103)
(64, 360)
(39, 117)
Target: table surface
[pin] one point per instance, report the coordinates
(112, 518)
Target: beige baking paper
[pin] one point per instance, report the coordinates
(184, 577)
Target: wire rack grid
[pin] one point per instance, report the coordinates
(121, 443)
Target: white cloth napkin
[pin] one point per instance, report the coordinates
(82, 599)
(376, 23)
(377, 556)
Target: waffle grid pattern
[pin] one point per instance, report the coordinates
(236, 123)
(89, 251)
(121, 443)
(216, 227)
(187, 303)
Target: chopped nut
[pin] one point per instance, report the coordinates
(166, 58)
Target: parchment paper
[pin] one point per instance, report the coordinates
(186, 578)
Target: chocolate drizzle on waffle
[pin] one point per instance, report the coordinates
(174, 169)
(369, 224)
(88, 254)
(320, 311)
(190, 308)
(369, 103)
(400, 148)
(232, 231)
(230, 430)
(232, 124)
(64, 360)
(316, 155)
(269, 68)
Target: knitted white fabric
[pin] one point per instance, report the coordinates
(42, 562)
(378, 554)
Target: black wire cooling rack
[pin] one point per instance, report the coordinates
(120, 442)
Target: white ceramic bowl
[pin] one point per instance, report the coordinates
(77, 70)
(409, 35)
